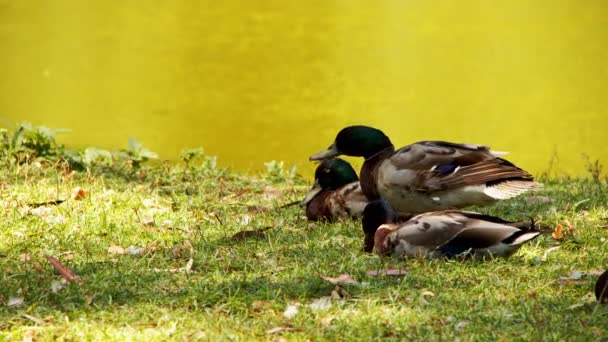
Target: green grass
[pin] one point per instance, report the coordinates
(240, 288)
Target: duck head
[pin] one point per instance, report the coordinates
(376, 219)
(330, 175)
(356, 141)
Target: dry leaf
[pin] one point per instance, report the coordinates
(571, 281)
(423, 296)
(557, 233)
(394, 273)
(116, 250)
(257, 209)
(15, 301)
(259, 305)
(320, 304)
(327, 320)
(25, 257)
(185, 269)
(88, 298)
(250, 234)
(271, 193)
(148, 221)
(135, 250)
(65, 272)
(549, 250)
(68, 256)
(341, 279)
(279, 329)
(560, 232)
(57, 285)
(79, 194)
(28, 336)
(290, 312)
(34, 319)
(339, 293)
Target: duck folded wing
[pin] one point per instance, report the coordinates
(494, 170)
(431, 229)
(436, 166)
(426, 155)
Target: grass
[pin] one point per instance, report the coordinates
(187, 278)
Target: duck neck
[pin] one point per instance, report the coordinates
(369, 170)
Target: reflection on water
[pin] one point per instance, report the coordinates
(256, 81)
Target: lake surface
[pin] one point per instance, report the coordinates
(253, 81)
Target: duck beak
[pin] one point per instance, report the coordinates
(331, 152)
(316, 188)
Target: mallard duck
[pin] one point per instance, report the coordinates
(601, 288)
(448, 233)
(428, 175)
(336, 192)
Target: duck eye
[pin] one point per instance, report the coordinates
(327, 170)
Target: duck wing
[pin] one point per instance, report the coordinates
(484, 232)
(430, 229)
(430, 166)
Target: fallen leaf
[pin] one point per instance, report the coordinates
(394, 273)
(339, 293)
(320, 304)
(245, 219)
(341, 279)
(257, 209)
(116, 250)
(290, 312)
(28, 336)
(185, 269)
(571, 281)
(327, 320)
(461, 324)
(148, 221)
(79, 194)
(259, 305)
(271, 193)
(56, 286)
(135, 250)
(88, 298)
(250, 234)
(41, 211)
(68, 256)
(278, 330)
(34, 319)
(557, 233)
(560, 232)
(15, 301)
(550, 250)
(65, 272)
(423, 296)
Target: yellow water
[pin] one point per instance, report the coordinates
(253, 81)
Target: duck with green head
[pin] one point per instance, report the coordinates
(449, 233)
(336, 192)
(428, 175)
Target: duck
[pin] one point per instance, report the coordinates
(442, 234)
(429, 175)
(336, 192)
(601, 288)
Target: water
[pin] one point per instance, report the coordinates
(253, 81)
